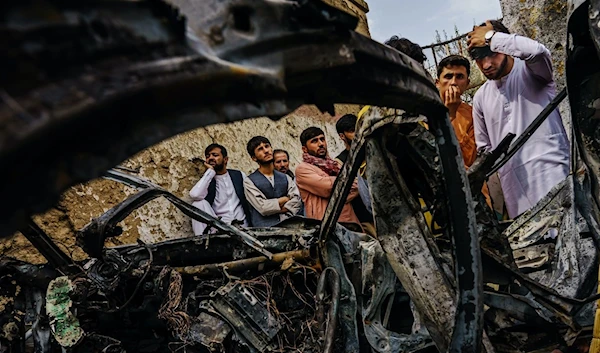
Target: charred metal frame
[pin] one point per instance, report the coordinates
(468, 324)
(93, 236)
(583, 78)
(529, 131)
(300, 52)
(328, 323)
(41, 241)
(141, 66)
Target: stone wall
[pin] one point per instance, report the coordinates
(358, 8)
(169, 165)
(546, 22)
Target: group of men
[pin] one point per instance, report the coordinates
(520, 84)
(273, 192)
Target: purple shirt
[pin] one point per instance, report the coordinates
(510, 105)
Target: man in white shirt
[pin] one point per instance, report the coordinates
(220, 191)
(520, 84)
(273, 196)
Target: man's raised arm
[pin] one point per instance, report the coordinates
(200, 190)
(536, 55)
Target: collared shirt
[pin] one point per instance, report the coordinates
(227, 204)
(268, 207)
(316, 187)
(510, 105)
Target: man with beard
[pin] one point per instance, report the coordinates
(272, 195)
(346, 127)
(316, 175)
(220, 191)
(281, 160)
(520, 85)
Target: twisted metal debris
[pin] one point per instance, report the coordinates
(92, 66)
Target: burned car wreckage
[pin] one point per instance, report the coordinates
(304, 285)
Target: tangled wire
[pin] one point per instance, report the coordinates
(178, 321)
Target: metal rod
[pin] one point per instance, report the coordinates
(433, 45)
(478, 171)
(530, 130)
(126, 169)
(44, 244)
(242, 265)
(388, 310)
(468, 321)
(186, 208)
(328, 329)
(434, 57)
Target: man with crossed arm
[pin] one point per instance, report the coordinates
(272, 195)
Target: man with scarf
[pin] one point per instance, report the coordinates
(316, 175)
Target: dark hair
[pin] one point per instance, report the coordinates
(255, 142)
(346, 123)
(498, 26)
(281, 151)
(212, 146)
(407, 47)
(485, 51)
(454, 60)
(310, 133)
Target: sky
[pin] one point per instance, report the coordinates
(417, 20)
